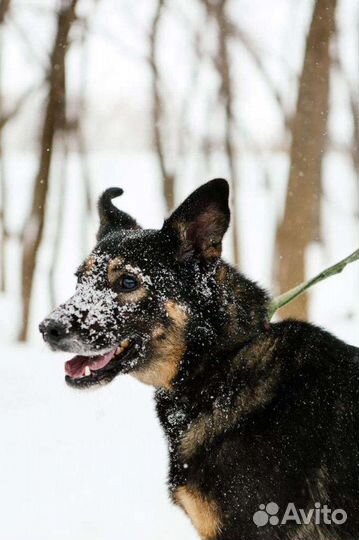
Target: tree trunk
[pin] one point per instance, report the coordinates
(301, 222)
(4, 8)
(168, 179)
(54, 120)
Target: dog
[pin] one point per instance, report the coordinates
(258, 415)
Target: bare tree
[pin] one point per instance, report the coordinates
(301, 221)
(53, 121)
(240, 36)
(168, 180)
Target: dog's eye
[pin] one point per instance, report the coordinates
(126, 283)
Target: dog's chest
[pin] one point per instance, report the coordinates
(176, 416)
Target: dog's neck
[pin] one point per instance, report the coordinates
(204, 369)
(231, 386)
(235, 322)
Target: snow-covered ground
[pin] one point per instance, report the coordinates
(80, 465)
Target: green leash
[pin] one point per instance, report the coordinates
(292, 294)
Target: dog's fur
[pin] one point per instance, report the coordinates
(253, 412)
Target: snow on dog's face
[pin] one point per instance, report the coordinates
(138, 289)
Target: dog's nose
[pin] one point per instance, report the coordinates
(52, 331)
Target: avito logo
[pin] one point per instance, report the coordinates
(268, 515)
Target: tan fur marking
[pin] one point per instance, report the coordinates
(232, 328)
(182, 229)
(158, 332)
(169, 346)
(222, 273)
(260, 353)
(113, 270)
(213, 252)
(196, 436)
(203, 512)
(132, 297)
(89, 264)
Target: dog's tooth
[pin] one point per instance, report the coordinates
(87, 371)
(125, 343)
(119, 350)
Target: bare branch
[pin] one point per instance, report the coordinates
(21, 102)
(241, 36)
(29, 47)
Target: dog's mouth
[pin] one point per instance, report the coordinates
(84, 371)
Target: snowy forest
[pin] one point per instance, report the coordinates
(157, 97)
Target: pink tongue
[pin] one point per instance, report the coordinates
(75, 367)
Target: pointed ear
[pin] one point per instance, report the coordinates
(199, 223)
(112, 218)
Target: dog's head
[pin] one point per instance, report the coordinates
(144, 297)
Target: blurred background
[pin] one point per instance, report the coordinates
(157, 96)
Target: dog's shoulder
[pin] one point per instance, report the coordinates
(307, 345)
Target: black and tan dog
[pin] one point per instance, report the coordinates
(254, 412)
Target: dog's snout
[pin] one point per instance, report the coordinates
(53, 331)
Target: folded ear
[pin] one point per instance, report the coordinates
(111, 218)
(200, 222)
